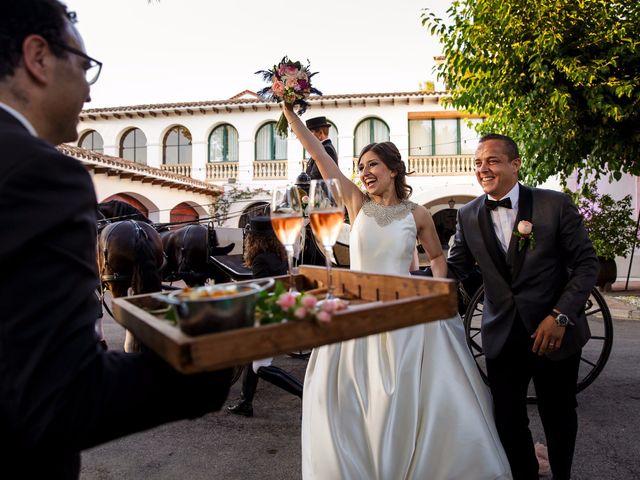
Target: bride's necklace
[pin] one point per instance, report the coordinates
(383, 214)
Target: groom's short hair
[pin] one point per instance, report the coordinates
(510, 147)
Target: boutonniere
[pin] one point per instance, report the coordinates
(525, 235)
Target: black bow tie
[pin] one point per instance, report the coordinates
(493, 204)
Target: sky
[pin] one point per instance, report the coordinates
(167, 51)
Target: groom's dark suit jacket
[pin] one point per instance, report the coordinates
(526, 285)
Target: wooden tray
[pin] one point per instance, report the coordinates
(378, 303)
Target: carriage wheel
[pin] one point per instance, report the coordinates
(594, 354)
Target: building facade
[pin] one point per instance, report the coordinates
(232, 145)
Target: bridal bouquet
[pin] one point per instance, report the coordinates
(290, 82)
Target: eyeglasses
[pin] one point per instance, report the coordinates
(93, 67)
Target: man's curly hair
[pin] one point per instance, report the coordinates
(21, 18)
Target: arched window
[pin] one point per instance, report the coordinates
(270, 145)
(183, 212)
(176, 147)
(133, 146)
(223, 144)
(368, 131)
(443, 136)
(92, 140)
(333, 136)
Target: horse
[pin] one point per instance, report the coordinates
(130, 260)
(116, 210)
(189, 250)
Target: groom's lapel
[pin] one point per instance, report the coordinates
(491, 242)
(525, 209)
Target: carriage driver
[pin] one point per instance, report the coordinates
(59, 391)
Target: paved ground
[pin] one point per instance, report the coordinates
(267, 447)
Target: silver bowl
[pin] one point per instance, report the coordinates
(199, 314)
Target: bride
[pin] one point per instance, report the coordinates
(405, 404)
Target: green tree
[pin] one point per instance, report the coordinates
(560, 77)
(427, 86)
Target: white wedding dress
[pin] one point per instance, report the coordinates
(405, 404)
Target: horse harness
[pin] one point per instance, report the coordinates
(115, 276)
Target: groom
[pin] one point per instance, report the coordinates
(536, 287)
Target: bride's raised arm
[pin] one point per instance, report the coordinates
(328, 168)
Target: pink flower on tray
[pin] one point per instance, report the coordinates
(301, 313)
(309, 301)
(323, 317)
(287, 300)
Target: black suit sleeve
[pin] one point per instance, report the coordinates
(313, 171)
(581, 260)
(460, 262)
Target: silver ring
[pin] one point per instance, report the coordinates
(552, 344)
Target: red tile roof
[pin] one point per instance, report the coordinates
(100, 163)
(236, 102)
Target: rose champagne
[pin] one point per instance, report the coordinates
(326, 225)
(287, 228)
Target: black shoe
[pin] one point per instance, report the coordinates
(243, 408)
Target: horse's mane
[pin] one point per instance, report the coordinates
(145, 276)
(118, 210)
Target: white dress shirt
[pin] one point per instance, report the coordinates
(21, 118)
(504, 219)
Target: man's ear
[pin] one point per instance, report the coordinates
(37, 58)
(517, 162)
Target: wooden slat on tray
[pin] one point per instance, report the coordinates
(391, 302)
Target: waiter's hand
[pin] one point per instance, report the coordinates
(548, 336)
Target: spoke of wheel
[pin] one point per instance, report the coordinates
(588, 313)
(597, 337)
(475, 334)
(478, 355)
(588, 361)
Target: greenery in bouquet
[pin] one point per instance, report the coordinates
(609, 223)
(289, 82)
(280, 305)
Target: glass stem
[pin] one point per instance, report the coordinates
(292, 286)
(327, 256)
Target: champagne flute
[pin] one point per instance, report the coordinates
(326, 212)
(286, 218)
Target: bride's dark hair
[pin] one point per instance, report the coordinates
(390, 156)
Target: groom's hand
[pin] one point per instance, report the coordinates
(548, 336)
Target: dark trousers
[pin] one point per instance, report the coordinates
(555, 383)
(274, 375)
(116, 394)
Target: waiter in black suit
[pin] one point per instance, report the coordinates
(536, 286)
(60, 392)
(320, 128)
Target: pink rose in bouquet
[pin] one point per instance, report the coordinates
(290, 82)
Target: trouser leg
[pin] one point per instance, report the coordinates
(249, 384)
(555, 382)
(282, 379)
(509, 375)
